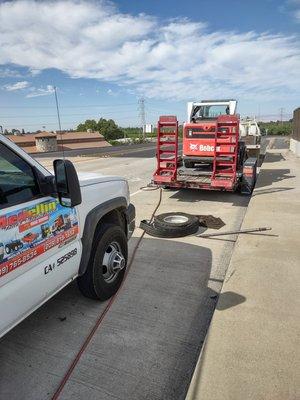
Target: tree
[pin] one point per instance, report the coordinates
(276, 128)
(88, 124)
(108, 128)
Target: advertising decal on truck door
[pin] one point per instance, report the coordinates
(28, 232)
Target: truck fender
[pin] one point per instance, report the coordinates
(91, 221)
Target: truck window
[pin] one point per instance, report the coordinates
(210, 112)
(17, 181)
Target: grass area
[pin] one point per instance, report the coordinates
(283, 128)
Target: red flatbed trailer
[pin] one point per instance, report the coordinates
(226, 170)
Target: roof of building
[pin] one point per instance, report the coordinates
(44, 134)
(80, 135)
(69, 140)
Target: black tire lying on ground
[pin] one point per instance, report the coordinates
(171, 225)
(175, 220)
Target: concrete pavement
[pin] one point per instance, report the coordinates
(148, 344)
(252, 349)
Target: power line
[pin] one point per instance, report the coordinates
(75, 106)
(64, 115)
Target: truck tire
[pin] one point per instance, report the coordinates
(175, 220)
(107, 264)
(171, 225)
(168, 232)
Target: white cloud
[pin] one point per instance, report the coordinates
(111, 92)
(9, 73)
(36, 92)
(34, 72)
(16, 86)
(177, 59)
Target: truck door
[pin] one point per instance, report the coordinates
(40, 248)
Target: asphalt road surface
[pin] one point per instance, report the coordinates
(149, 342)
(102, 151)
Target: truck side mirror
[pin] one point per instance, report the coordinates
(67, 183)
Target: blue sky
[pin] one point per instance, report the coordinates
(103, 56)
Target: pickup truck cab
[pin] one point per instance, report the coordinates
(57, 228)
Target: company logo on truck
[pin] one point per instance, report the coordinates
(28, 217)
(32, 231)
(201, 147)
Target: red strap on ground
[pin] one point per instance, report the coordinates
(101, 317)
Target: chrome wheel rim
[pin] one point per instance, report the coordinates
(176, 219)
(113, 262)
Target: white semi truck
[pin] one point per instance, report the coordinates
(91, 247)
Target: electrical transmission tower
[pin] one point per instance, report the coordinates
(281, 110)
(142, 114)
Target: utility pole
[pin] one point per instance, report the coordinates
(58, 120)
(142, 115)
(57, 109)
(281, 110)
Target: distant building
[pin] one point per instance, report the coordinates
(148, 128)
(295, 139)
(44, 142)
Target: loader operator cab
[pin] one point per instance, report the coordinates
(209, 112)
(200, 130)
(210, 109)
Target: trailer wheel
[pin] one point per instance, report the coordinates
(248, 184)
(242, 154)
(107, 264)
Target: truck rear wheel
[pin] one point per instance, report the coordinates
(107, 263)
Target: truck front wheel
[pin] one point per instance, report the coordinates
(107, 264)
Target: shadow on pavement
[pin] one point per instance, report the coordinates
(229, 300)
(196, 195)
(273, 157)
(271, 190)
(268, 176)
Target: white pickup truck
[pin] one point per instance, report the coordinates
(55, 228)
